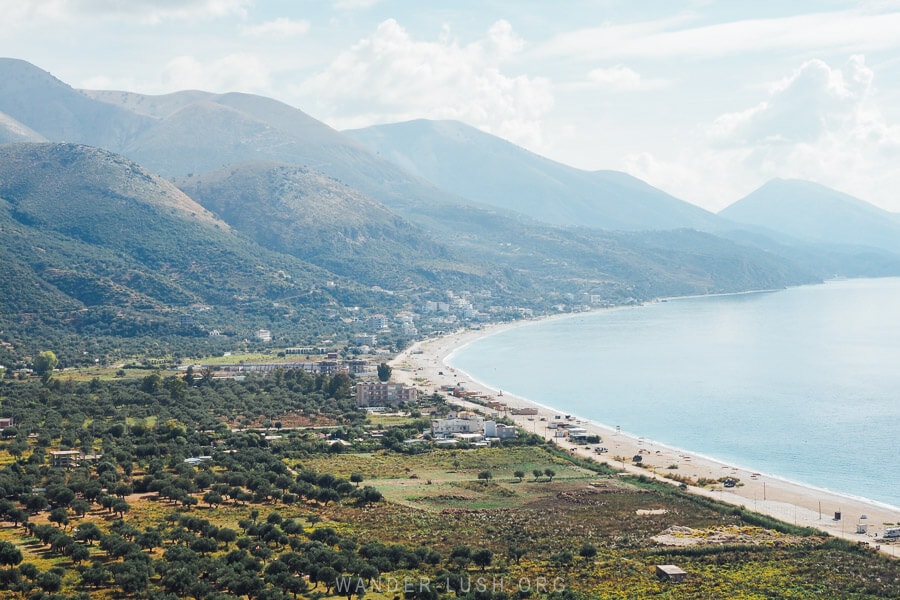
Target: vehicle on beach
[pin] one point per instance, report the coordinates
(891, 533)
(601, 449)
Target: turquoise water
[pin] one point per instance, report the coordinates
(801, 383)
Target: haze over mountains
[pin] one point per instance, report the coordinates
(492, 171)
(813, 212)
(279, 215)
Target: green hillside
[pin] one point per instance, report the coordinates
(94, 244)
(105, 260)
(308, 215)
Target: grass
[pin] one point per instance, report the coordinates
(148, 422)
(384, 421)
(447, 464)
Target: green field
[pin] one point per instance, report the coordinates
(300, 513)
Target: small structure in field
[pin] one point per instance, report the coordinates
(670, 572)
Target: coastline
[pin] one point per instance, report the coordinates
(424, 365)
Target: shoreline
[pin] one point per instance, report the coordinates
(424, 364)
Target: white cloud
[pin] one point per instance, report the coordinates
(144, 11)
(354, 4)
(820, 123)
(234, 72)
(389, 76)
(844, 31)
(620, 79)
(711, 179)
(810, 103)
(280, 28)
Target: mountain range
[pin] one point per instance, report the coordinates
(494, 172)
(137, 218)
(809, 211)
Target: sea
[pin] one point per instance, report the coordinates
(801, 383)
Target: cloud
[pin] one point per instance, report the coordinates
(619, 79)
(354, 4)
(844, 31)
(144, 11)
(234, 72)
(280, 28)
(389, 76)
(820, 123)
(814, 100)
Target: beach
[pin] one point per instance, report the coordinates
(424, 365)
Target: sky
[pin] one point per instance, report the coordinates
(704, 99)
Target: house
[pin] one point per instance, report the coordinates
(330, 367)
(500, 431)
(366, 339)
(670, 572)
(377, 322)
(301, 350)
(577, 433)
(463, 422)
(471, 438)
(506, 432)
(7, 422)
(384, 393)
(358, 365)
(264, 335)
(65, 459)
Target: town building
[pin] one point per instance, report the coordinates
(492, 429)
(463, 422)
(377, 322)
(384, 393)
(67, 459)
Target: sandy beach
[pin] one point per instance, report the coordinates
(423, 365)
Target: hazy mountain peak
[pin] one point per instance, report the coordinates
(156, 106)
(811, 211)
(495, 172)
(79, 172)
(57, 112)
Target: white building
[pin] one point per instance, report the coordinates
(366, 339)
(377, 322)
(464, 422)
(492, 429)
